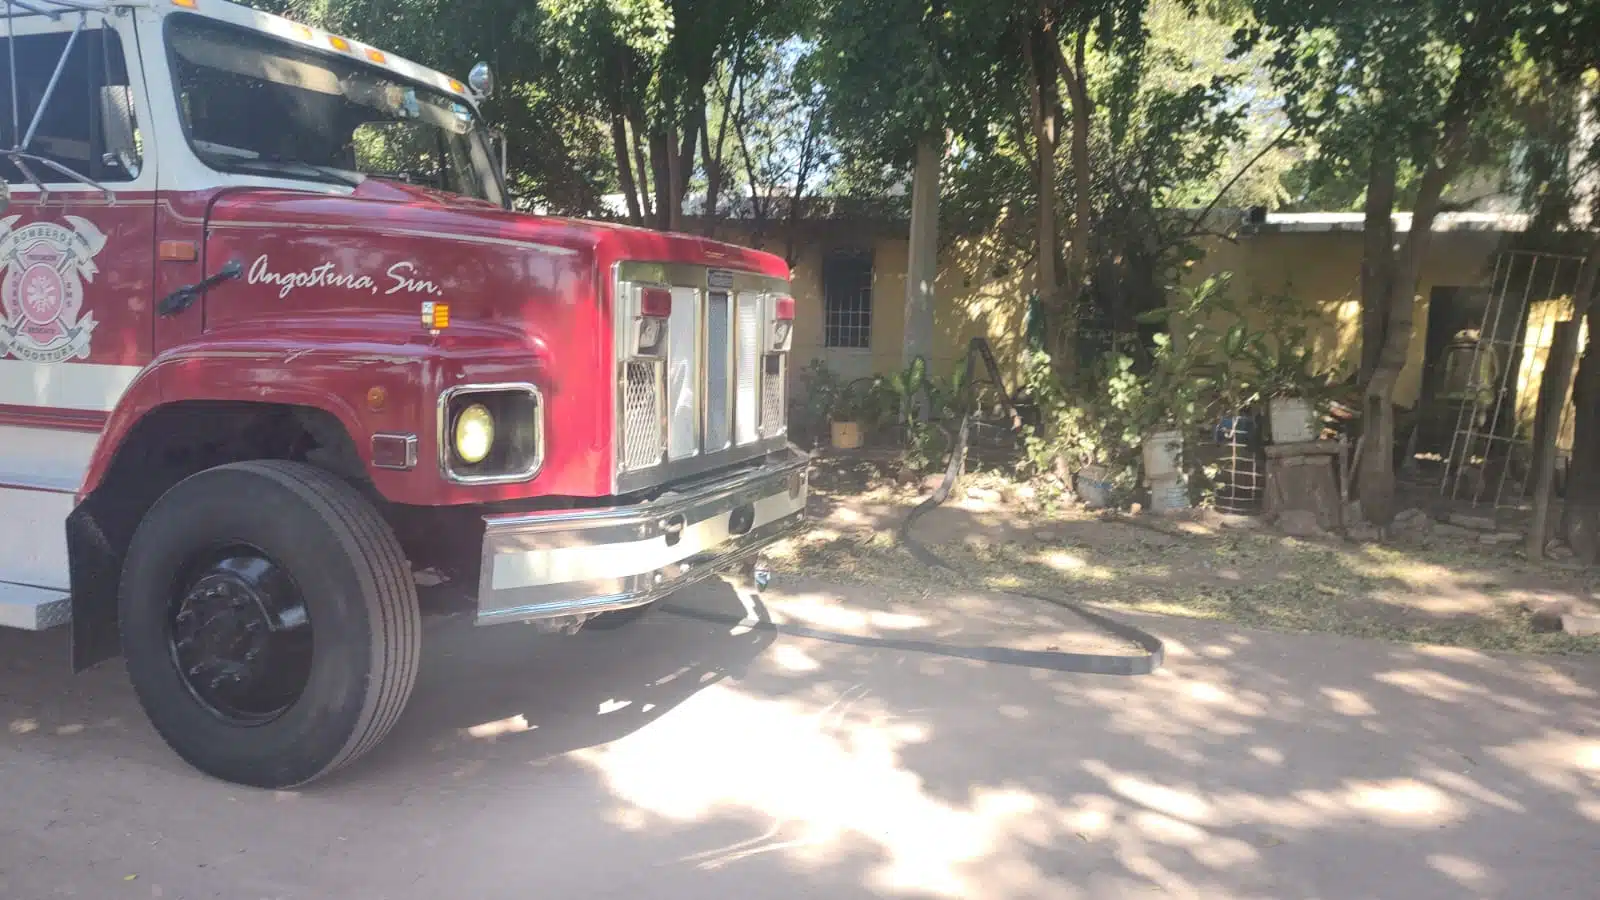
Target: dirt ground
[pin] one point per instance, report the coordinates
(833, 742)
(1427, 583)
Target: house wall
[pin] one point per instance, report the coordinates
(1324, 269)
(981, 291)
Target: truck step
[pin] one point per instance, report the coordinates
(33, 608)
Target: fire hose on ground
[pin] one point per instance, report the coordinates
(1154, 651)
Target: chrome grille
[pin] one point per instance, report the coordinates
(683, 343)
(641, 415)
(711, 394)
(717, 352)
(747, 369)
(773, 420)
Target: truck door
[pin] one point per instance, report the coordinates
(76, 270)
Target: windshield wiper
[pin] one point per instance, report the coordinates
(281, 165)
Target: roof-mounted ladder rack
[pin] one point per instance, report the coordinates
(21, 9)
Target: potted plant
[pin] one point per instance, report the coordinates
(1159, 405)
(812, 403)
(854, 410)
(1293, 387)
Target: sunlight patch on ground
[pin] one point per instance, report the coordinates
(819, 783)
(1463, 871)
(1561, 761)
(1348, 703)
(1402, 801)
(793, 659)
(815, 611)
(1062, 561)
(491, 730)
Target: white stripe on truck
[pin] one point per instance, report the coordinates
(64, 385)
(45, 459)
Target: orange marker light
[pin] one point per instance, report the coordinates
(187, 4)
(338, 43)
(377, 56)
(457, 86)
(178, 251)
(304, 33)
(435, 316)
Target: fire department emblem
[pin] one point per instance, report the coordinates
(41, 298)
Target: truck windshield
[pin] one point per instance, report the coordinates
(254, 103)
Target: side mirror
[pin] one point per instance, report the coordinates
(116, 125)
(481, 80)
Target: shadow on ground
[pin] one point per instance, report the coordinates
(688, 758)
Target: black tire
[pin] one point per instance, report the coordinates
(618, 618)
(347, 566)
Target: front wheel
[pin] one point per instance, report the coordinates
(269, 622)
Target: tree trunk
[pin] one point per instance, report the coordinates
(1378, 259)
(922, 264)
(712, 160)
(1580, 517)
(636, 126)
(1376, 474)
(661, 151)
(803, 172)
(1075, 74)
(1041, 114)
(1545, 451)
(758, 208)
(1083, 178)
(630, 189)
(691, 138)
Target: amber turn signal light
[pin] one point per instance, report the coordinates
(435, 316)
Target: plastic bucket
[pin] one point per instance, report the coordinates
(1094, 486)
(1169, 495)
(1292, 420)
(1163, 452)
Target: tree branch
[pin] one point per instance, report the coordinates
(1199, 220)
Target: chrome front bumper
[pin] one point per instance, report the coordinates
(579, 562)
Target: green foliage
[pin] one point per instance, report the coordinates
(896, 70)
(1078, 430)
(818, 388)
(1214, 362)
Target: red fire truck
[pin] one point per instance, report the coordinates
(273, 341)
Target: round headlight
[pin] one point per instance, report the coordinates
(474, 433)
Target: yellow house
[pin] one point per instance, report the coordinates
(849, 285)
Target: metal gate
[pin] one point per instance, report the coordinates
(1491, 449)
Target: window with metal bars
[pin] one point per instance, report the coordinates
(847, 300)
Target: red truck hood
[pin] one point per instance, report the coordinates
(344, 282)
